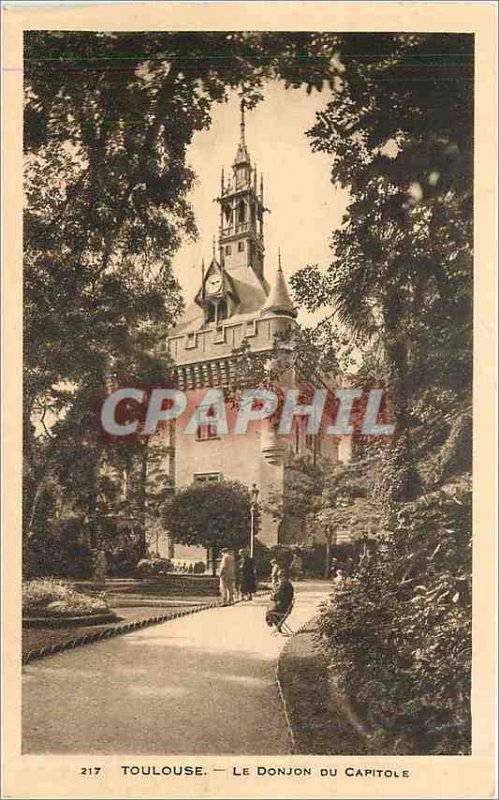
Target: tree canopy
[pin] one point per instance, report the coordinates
(213, 515)
(399, 129)
(108, 120)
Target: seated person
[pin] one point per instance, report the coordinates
(274, 575)
(280, 599)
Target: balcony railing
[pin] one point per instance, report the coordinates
(241, 227)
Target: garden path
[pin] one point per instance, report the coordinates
(201, 684)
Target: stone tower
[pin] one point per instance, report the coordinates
(241, 213)
(236, 305)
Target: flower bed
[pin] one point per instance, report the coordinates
(51, 599)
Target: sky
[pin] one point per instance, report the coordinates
(304, 206)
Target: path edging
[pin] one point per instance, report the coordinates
(280, 690)
(127, 627)
(284, 681)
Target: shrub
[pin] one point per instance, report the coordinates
(398, 632)
(42, 556)
(153, 567)
(314, 560)
(123, 542)
(283, 555)
(61, 550)
(199, 568)
(49, 597)
(262, 556)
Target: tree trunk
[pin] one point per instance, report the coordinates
(400, 477)
(143, 495)
(214, 556)
(328, 554)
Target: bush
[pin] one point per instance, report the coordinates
(152, 567)
(398, 631)
(314, 560)
(199, 568)
(283, 555)
(123, 542)
(42, 556)
(60, 551)
(49, 597)
(262, 555)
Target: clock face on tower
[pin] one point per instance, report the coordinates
(213, 284)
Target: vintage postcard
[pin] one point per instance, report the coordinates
(249, 504)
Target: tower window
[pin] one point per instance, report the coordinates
(222, 310)
(296, 437)
(216, 311)
(227, 250)
(207, 477)
(240, 246)
(205, 432)
(242, 211)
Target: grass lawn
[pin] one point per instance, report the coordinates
(321, 720)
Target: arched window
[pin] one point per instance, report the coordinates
(222, 310)
(214, 314)
(228, 214)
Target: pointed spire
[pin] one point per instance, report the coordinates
(243, 126)
(242, 155)
(278, 300)
(222, 182)
(279, 265)
(203, 272)
(214, 248)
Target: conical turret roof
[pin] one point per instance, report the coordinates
(278, 300)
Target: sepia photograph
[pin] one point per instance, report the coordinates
(247, 399)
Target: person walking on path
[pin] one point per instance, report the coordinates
(247, 575)
(227, 573)
(296, 567)
(237, 574)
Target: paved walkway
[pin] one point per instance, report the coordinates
(201, 684)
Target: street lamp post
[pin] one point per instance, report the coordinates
(253, 504)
